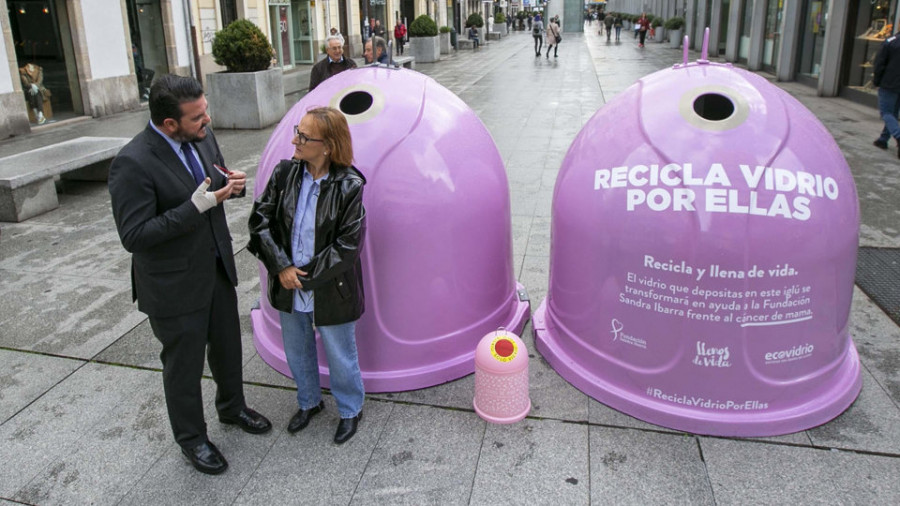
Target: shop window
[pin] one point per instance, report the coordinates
(229, 11)
(874, 23)
(46, 59)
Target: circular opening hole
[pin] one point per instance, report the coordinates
(714, 107)
(356, 102)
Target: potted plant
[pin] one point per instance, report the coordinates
(247, 55)
(445, 39)
(424, 43)
(659, 32)
(500, 24)
(674, 27)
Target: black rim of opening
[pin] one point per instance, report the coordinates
(714, 107)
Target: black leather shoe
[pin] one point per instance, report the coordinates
(206, 458)
(346, 428)
(249, 421)
(880, 144)
(301, 419)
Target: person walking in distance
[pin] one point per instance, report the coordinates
(887, 78)
(608, 22)
(399, 36)
(643, 24)
(537, 31)
(553, 36)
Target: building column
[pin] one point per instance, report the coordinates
(786, 63)
(14, 120)
(715, 13)
(701, 6)
(757, 34)
(732, 43)
(832, 53)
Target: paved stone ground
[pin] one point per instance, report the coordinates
(82, 418)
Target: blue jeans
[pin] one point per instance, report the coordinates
(888, 106)
(339, 342)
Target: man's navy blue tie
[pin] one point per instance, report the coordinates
(199, 176)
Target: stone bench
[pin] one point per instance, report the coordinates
(27, 180)
(465, 43)
(493, 35)
(405, 61)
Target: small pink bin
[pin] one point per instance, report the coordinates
(501, 378)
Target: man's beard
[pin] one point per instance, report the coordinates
(183, 136)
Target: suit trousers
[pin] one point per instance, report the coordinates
(214, 331)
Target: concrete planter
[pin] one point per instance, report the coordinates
(675, 38)
(245, 100)
(501, 27)
(425, 49)
(445, 42)
(660, 34)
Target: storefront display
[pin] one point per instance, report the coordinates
(45, 60)
(874, 23)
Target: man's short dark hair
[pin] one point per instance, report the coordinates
(378, 42)
(168, 93)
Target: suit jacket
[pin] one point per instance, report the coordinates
(173, 245)
(325, 69)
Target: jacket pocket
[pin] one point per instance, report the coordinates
(343, 287)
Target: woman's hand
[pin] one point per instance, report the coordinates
(288, 278)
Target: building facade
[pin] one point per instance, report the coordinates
(99, 57)
(828, 44)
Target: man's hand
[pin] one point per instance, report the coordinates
(239, 181)
(35, 89)
(204, 200)
(288, 278)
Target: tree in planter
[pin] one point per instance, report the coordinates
(500, 18)
(475, 20)
(423, 26)
(676, 23)
(674, 27)
(242, 47)
(423, 40)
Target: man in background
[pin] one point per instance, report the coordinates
(333, 63)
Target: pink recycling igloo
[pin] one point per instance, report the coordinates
(704, 237)
(437, 257)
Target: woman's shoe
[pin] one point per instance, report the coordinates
(301, 419)
(347, 428)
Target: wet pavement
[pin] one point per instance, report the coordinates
(83, 419)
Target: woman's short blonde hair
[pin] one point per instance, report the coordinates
(335, 132)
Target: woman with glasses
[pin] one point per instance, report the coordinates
(307, 228)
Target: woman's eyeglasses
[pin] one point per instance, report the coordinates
(303, 138)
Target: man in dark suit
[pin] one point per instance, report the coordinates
(183, 273)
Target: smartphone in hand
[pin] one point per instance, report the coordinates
(222, 170)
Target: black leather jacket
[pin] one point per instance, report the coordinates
(334, 274)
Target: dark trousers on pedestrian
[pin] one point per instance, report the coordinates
(538, 44)
(643, 34)
(399, 45)
(214, 331)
